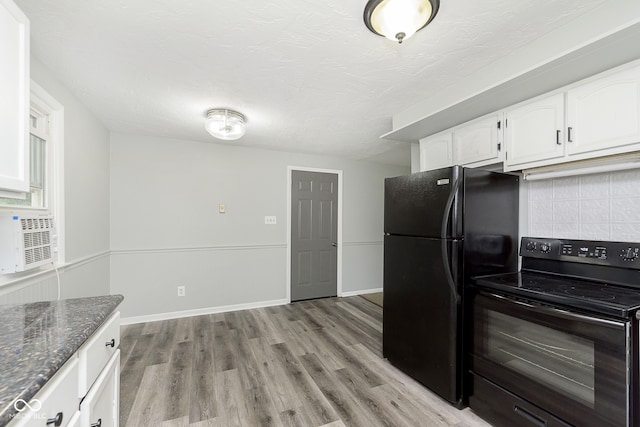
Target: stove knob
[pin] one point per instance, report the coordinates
(545, 248)
(531, 246)
(630, 254)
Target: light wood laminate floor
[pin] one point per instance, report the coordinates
(310, 363)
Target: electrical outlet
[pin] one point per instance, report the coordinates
(270, 220)
(181, 291)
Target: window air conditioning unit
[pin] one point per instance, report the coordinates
(26, 241)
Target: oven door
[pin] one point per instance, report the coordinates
(571, 365)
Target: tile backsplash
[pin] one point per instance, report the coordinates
(593, 207)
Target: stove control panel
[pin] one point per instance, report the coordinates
(619, 254)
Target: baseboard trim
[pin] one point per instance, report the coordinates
(362, 292)
(199, 312)
(375, 243)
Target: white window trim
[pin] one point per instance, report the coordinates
(45, 103)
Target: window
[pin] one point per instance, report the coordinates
(46, 124)
(38, 168)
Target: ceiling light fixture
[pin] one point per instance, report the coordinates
(225, 124)
(399, 19)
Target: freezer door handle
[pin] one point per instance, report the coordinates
(445, 249)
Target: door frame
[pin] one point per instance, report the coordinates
(337, 172)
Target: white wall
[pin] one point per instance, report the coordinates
(86, 204)
(591, 207)
(166, 230)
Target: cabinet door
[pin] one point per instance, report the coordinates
(534, 132)
(97, 351)
(478, 141)
(14, 101)
(56, 402)
(604, 113)
(101, 406)
(436, 151)
(74, 421)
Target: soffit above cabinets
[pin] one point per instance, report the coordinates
(610, 51)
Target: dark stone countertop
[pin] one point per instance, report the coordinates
(37, 339)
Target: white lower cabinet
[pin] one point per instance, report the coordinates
(99, 408)
(85, 391)
(55, 404)
(75, 420)
(99, 377)
(97, 351)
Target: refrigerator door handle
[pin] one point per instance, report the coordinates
(443, 234)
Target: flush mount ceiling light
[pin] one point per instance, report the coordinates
(225, 124)
(399, 19)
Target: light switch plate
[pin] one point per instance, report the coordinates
(270, 220)
(221, 208)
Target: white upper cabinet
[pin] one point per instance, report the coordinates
(478, 142)
(534, 131)
(604, 113)
(436, 151)
(14, 102)
(598, 116)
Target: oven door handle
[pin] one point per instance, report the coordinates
(556, 312)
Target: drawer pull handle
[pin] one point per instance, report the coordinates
(111, 343)
(98, 424)
(533, 419)
(56, 421)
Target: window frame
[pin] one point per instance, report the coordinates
(45, 105)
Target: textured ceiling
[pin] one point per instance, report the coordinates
(307, 74)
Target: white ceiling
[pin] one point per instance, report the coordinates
(307, 74)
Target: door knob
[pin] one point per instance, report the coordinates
(334, 244)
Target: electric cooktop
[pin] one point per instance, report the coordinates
(598, 277)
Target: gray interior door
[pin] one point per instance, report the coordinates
(314, 235)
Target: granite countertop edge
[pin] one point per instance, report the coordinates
(37, 339)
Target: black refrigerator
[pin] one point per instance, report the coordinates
(442, 227)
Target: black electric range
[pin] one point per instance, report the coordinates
(594, 276)
(558, 344)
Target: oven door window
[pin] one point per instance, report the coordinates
(572, 365)
(557, 359)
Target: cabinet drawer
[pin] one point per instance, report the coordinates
(101, 404)
(55, 399)
(502, 408)
(96, 352)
